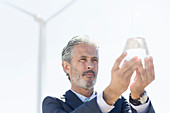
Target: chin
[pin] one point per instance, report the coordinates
(90, 86)
(85, 84)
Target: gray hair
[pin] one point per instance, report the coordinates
(68, 50)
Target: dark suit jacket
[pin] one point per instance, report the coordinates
(73, 104)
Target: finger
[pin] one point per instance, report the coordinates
(129, 67)
(142, 71)
(125, 61)
(137, 74)
(119, 60)
(148, 70)
(128, 75)
(151, 67)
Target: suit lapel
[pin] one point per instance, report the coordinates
(72, 99)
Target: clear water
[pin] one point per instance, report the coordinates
(141, 53)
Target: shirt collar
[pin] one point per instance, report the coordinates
(82, 97)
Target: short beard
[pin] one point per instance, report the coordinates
(85, 85)
(81, 82)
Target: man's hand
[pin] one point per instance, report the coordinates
(144, 76)
(120, 78)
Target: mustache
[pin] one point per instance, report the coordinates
(89, 71)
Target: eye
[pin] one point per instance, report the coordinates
(95, 60)
(82, 59)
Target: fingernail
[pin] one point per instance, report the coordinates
(150, 57)
(125, 53)
(136, 57)
(146, 58)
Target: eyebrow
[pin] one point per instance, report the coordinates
(87, 56)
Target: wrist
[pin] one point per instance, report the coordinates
(137, 94)
(110, 96)
(141, 100)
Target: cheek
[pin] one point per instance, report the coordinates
(96, 68)
(78, 69)
(81, 66)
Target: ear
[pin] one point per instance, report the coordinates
(66, 67)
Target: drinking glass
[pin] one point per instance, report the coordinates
(136, 47)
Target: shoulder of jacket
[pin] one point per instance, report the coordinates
(61, 98)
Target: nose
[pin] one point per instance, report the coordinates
(90, 65)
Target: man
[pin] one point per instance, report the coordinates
(80, 62)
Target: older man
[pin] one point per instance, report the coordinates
(80, 62)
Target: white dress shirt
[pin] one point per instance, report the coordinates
(105, 108)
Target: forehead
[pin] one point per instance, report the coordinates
(85, 50)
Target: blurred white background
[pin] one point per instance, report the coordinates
(108, 22)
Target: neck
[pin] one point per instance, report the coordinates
(82, 91)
